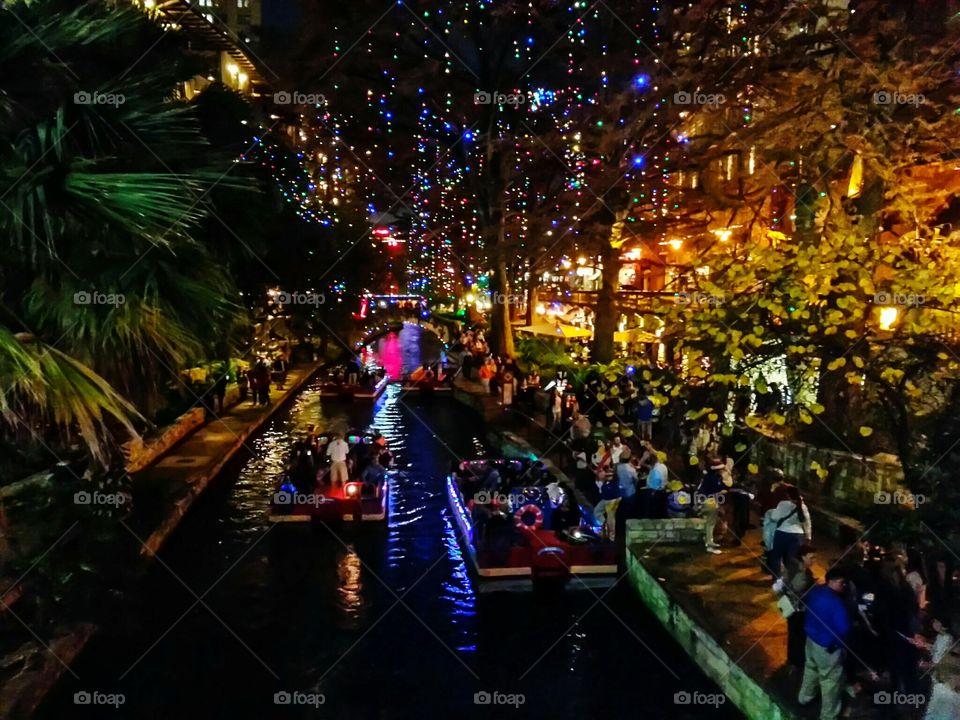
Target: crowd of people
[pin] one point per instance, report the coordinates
(881, 621)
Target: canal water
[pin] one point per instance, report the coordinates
(377, 621)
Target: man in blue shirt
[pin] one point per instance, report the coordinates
(626, 475)
(827, 625)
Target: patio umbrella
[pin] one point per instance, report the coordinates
(556, 331)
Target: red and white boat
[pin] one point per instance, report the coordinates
(353, 501)
(531, 533)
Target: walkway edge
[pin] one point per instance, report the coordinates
(152, 544)
(742, 689)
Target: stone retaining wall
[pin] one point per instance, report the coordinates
(674, 530)
(740, 688)
(852, 480)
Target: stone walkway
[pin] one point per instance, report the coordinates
(165, 491)
(730, 597)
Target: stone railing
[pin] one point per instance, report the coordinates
(139, 453)
(851, 480)
(666, 530)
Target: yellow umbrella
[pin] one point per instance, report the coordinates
(556, 331)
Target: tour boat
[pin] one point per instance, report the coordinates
(332, 503)
(333, 387)
(509, 537)
(426, 381)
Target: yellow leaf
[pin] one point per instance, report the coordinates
(778, 418)
(740, 447)
(858, 361)
(838, 363)
(753, 468)
(694, 460)
(866, 431)
(805, 417)
(817, 408)
(712, 417)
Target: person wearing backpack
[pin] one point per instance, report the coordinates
(785, 528)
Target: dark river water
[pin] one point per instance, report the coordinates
(376, 621)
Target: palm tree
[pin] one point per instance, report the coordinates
(107, 287)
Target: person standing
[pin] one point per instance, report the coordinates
(337, 451)
(616, 448)
(556, 408)
(220, 392)
(658, 475)
(797, 586)
(644, 414)
(827, 625)
(710, 494)
(626, 475)
(791, 521)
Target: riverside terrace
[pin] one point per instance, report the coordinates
(722, 611)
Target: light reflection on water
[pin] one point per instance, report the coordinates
(385, 621)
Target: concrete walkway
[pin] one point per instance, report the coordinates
(730, 598)
(165, 491)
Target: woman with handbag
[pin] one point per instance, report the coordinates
(790, 523)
